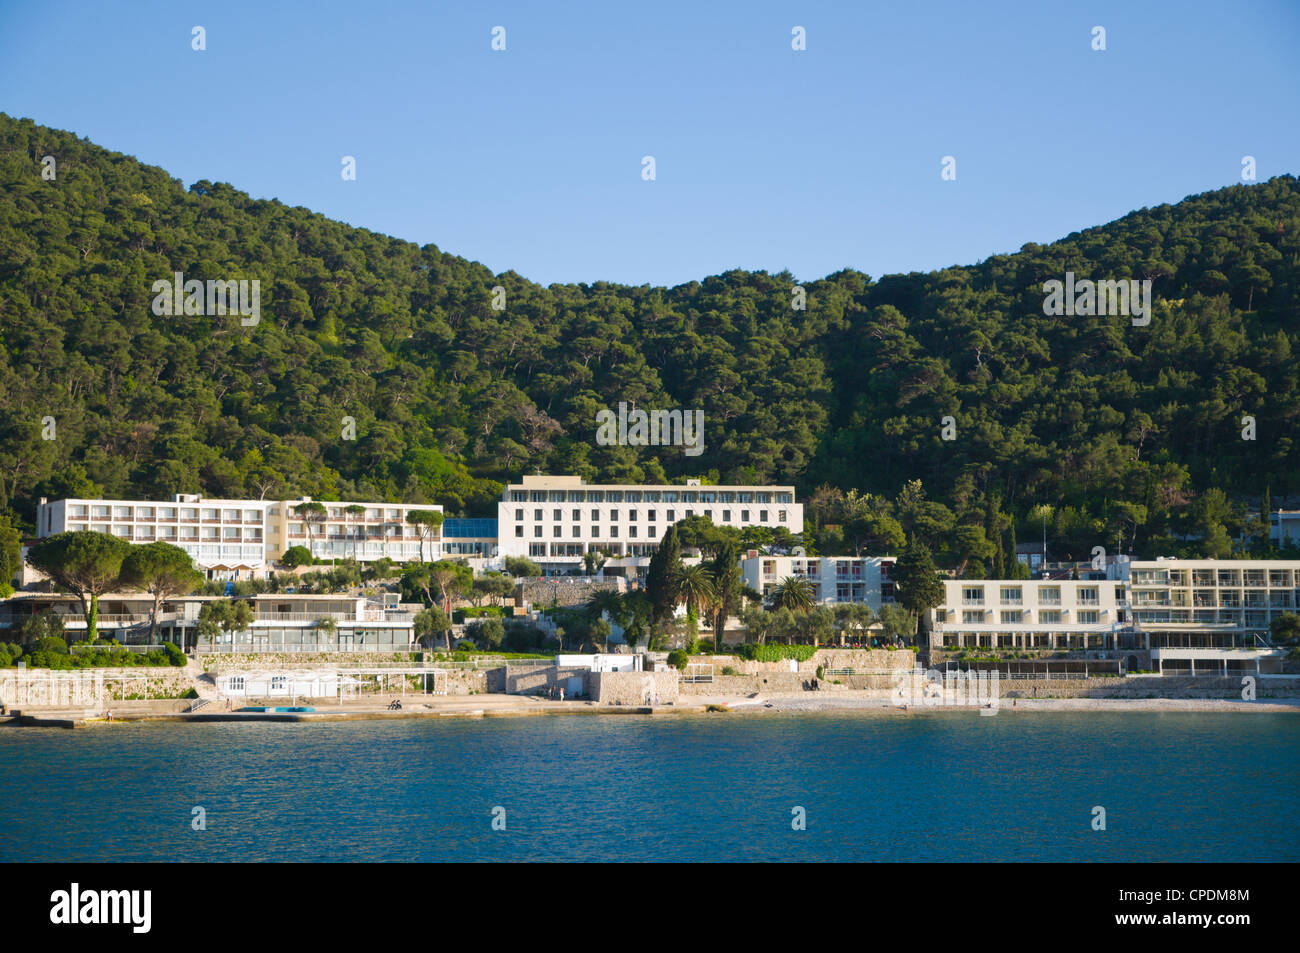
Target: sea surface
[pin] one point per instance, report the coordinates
(882, 786)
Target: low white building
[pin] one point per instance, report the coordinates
(601, 662)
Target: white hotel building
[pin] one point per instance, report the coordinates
(241, 539)
(1030, 614)
(555, 520)
(834, 579)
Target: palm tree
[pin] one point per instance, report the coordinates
(794, 593)
(694, 587)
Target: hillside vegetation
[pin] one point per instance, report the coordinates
(1125, 431)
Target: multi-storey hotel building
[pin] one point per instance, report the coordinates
(555, 520)
(1211, 603)
(1030, 614)
(232, 539)
(834, 579)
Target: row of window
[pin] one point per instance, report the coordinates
(182, 534)
(650, 496)
(1037, 640)
(1177, 578)
(568, 550)
(190, 514)
(184, 514)
(1045, 617)
(652, 516)
(593, 533)
(1047, 595)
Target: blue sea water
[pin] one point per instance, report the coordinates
(925, 786)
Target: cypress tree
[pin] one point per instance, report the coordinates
(661, 576)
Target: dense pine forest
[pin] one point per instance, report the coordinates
(1107, 433)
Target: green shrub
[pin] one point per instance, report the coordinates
(728, 670)
(775, 653)
(6, 660)
(478, 612)
(678, 659)
(488, 633)
(174, 654)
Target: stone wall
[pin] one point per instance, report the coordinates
(1132, 687)
(861, 660)
(566, 590)
(632, 688)
(778, 682)
(1147, 687)
(34, 687)
(264, 661)
(541, 679)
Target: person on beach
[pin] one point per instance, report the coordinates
(561, 693)
(110, 714)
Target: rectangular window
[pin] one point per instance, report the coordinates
(744, 514)
(519, 515)
(762, 516)
(557, 515)
(1088, 618)
(577, 532)
(632, 532)
(726, 516)
(780, 516)
(672, 516)
(537, 516)
(1011, 618)
(613, 532)
(972, 617)
(1050, 616)
(631, 515)
(555, 531)
(613, 514)
(537, 531)
(519, 531)
(577, 515)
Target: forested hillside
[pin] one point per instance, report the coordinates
(1122, 429)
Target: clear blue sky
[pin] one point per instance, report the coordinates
(766, 158)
